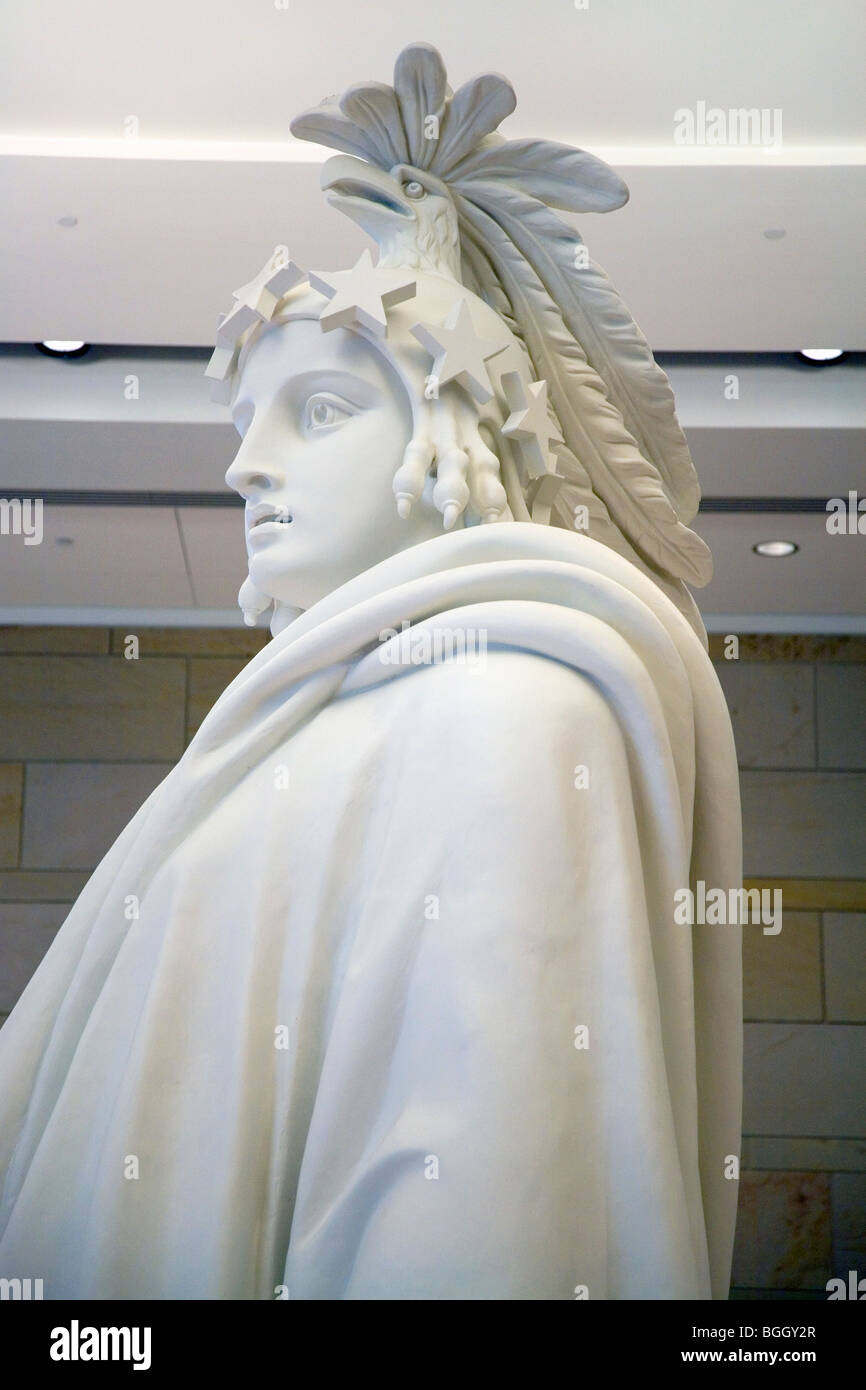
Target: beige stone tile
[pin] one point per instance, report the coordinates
(208, 678)
(10, 813)
(41, 886)
(805, 1078)
(194, 641)
(93, 707)
(772, 711)
(804, 1155)
(804, 824)
(848, 1201)
(841, 716)
(782, 974)
(784, 646)
(26, 932)
(48, 640)
(73, 812)
(783, 1231)
(845, 966)
(816, 894)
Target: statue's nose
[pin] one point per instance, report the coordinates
(251, 472)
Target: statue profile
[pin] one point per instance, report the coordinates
(381, 993)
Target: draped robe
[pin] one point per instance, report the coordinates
(380, 993)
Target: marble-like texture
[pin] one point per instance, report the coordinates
(845, 966)
(783, 1231)
(782, 974)
(841, 692)
(73, 812)
(805, 1078)
(93, 707)
(804, 824)
(11, 778)
(213, 959)
(772, 711)
(26, 932)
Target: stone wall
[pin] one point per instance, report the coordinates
(86, 734)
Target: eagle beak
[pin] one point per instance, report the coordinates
(367, 194)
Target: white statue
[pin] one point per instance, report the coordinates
(382, 992)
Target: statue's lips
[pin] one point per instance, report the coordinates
(267, 523)
(266, 531)
(356, 191)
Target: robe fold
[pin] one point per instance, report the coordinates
(380, 994)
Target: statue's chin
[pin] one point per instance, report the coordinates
(298, 570)
(298, 580)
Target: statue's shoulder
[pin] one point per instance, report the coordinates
(504, 695)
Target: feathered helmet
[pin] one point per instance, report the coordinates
(484, 299)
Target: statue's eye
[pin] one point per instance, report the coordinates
(322, 412)
(414, 189)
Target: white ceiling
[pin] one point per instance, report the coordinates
(170, 221)
(161, 243)
(610, 74)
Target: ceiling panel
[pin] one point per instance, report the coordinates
(97, 556)
(827, 575)
(129, 561)
(161, 243)
(216, 551)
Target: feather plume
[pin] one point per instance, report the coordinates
(421, 86)
(326, 125)
(628, 484)
(474, 111)
(612, 400)
(556, 174)
(373, 106)
(599, 321)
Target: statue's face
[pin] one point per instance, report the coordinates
(324, 421)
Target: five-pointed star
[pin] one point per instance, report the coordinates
(258, 299)
(361, 295)
(255, 302)
(458, 353)
(529, 422)
(264, 292)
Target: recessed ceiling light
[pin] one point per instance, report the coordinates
(775, 550)
(821, 355)
(62, 347)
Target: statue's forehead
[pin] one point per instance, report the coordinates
(296, 344)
